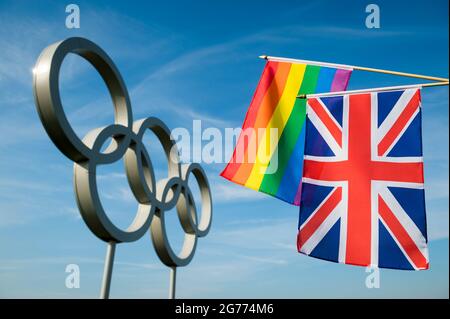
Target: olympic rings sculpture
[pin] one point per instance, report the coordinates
(154, 197)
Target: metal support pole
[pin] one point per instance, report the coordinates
(172, 283)
(107, 271)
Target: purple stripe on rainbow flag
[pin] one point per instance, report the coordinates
(340, 81)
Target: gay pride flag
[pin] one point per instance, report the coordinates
(268, 156)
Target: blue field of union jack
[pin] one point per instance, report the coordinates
(362, 197)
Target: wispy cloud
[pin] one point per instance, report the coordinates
(437, 224)
(227, 191)
(64, 260)
(256, 237)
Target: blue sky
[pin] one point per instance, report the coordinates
(185, 61)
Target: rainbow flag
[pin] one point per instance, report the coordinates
(268, 156)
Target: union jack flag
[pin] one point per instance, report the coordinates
(362, 197)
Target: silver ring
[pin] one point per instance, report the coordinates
(154, 198)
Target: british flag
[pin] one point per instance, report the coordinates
(362, 197)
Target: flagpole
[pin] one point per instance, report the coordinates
(354, 67)
(379, 89)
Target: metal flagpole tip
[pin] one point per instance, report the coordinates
(265, 57)
(154, 197)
